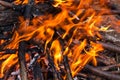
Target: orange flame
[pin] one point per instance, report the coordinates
(82, 59)
(78, 14)
(56, 49)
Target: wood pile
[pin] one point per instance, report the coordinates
(38, 68)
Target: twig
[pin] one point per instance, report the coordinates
(82, 74)
(8, 51)
(110, 47)
(100, 73)
(67, 67)
(114, 72)
(110, 37)
(21, 56)
(6, 4)
(71, 13)
(108, 67)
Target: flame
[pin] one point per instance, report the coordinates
(83, 59)
(21, 2)
(10, 61)
(56, 50)
(58, 2)
(26, 1)
(77, 16)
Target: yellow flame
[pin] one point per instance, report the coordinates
(56, 49)
(58, 2)
(82, 60)
(78, 14)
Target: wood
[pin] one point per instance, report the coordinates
(8, 17)
(9, 14)
(67, 67)
(110, 47)
(21, 56)
(102, 73)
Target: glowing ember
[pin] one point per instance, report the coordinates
(79, 20)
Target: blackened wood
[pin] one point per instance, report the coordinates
(21, 56)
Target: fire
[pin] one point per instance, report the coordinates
(58, 2)
(26, 1)
(80, 18)
(56, 53)
(21, 1)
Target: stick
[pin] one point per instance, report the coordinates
(110, 47)
(6, 4)
(38, 75)
(51, 63)
(8, 51)
(21, 53)
(67, 67)
(100, 73)
(105, 68)
(7, 75)
(21, 56)
(27, 13)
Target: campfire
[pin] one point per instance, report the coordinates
(59, 39)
